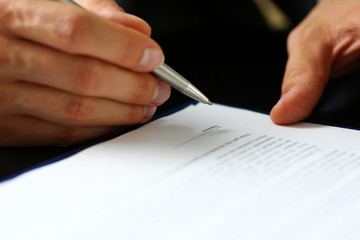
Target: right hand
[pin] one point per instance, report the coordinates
(68, 75)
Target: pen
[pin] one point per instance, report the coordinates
(174, 79)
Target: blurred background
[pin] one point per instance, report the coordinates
(233, 51)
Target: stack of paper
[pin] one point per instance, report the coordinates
(203, 173)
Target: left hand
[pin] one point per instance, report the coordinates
(326, 43)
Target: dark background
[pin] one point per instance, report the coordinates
(226, 49)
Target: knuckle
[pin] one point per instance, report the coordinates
(69, 30)
(291, 37)
(298, 34)
(145, 28)
(86, 79)
(6, 12)
(294, 72)
(304, 33)
(2, 6)
(144, 88)
(133, 114)
(349, 33)
(130, 49)
(79, 111)
(5, 57)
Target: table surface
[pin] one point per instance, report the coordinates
(16, 160)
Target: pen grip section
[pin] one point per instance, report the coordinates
(170, 76)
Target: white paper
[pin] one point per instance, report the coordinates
(204, 173)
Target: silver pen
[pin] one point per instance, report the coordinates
(174, 79)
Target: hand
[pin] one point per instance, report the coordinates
(68, 75)
(110, 10)
(326, 43)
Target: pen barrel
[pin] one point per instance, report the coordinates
(175, 80)
(170, 76)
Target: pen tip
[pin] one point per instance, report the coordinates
(208, 102)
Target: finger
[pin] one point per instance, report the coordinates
(70, 110)
(74, 30)
(29, 131)
(110, 10)
(78, 74)
(306, 74)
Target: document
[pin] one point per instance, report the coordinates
(202, 173)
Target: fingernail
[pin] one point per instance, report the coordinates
(148, 112)
(161, 93)
(151, 59)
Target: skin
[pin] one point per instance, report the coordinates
(69, 74)
(325, 44)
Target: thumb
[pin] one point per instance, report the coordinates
(110, 10)
(307, 72)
